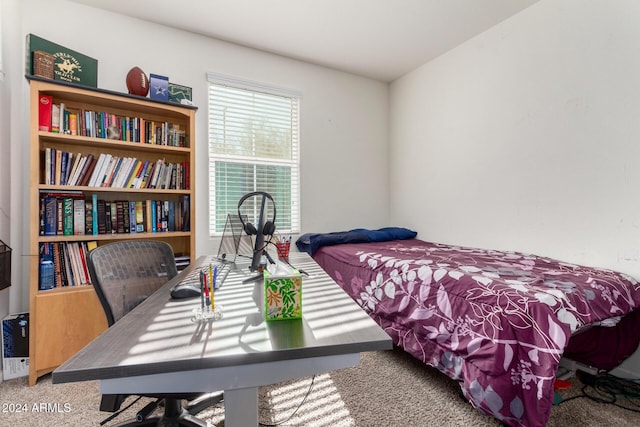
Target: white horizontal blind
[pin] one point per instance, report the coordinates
(253, 146)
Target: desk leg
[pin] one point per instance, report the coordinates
(241, 407)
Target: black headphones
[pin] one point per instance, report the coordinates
(269, 227)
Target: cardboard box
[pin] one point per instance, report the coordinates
(158, 87)
(282, 296)
(15, 346)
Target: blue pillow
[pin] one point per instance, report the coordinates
(387, 233)
(310, 242)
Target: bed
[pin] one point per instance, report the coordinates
(497, 322)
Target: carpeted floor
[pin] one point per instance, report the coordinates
(388, 388)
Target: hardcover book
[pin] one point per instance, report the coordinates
(44, 113)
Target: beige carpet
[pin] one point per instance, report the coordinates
(388, 388)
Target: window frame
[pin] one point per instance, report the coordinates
(220, 80)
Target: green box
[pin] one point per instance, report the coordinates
(69, 65)
(178, 92)
(282, 296)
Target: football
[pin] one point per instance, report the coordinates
(137, 82)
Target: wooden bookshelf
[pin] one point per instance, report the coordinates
(66, 318)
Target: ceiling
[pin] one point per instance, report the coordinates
(380, 39)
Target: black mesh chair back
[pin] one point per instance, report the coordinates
(125, 273)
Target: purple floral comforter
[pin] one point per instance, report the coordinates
(498, 322)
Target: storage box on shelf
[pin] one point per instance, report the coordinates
(104, 167)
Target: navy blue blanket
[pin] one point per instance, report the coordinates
(310, 242)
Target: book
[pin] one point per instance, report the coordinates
(94, 213)
(83, 252)
(73, 123)
(120, 221)
(186, 214)
(102, 217)
(58, 167)
(110, 164)
(87, 171)
(67, 216)
(44, 113)
(154, 216)
(69, 264)
(132, 217)
(97, 170)
(55, 118)
(47, 166)
(135, 174)
(113, 208)
(64, 156)
(171, 224)
(88, 217)
(46, 279)
(126, 221)
(107, 217)
(139, 217)
(148, 216)
(50, 216)
(61, 121)
(78, 217)
(73, 174)
(57, 268)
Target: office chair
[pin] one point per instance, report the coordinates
(124, 274)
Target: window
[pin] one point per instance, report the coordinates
(253, 146)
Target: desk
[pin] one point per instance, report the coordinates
(156, 348)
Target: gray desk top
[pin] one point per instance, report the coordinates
(159, 335)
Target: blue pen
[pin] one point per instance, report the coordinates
(215, 275)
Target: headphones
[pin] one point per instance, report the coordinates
(269, 227)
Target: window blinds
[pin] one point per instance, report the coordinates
(253, 146)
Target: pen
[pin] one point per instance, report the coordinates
(212, 282)
(201, 290)
(206, 290)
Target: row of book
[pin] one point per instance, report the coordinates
(57, 118)
(106, 170)
(64, 264)
(70, 214)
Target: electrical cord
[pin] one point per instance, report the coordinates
(115, 414)
(313, 378)
(607, 388)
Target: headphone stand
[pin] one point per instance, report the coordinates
(260, 275)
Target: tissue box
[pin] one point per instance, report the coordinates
(282, 296)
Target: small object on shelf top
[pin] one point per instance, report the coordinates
(137, 82)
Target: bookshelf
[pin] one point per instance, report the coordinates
(146, 138)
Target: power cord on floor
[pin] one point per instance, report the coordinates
(296, 410)
(607, 388)
(115, 414)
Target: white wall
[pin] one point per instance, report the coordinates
(344, 118)
(10, 159)
(527, 137)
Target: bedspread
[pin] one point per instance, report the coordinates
(496, 321)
